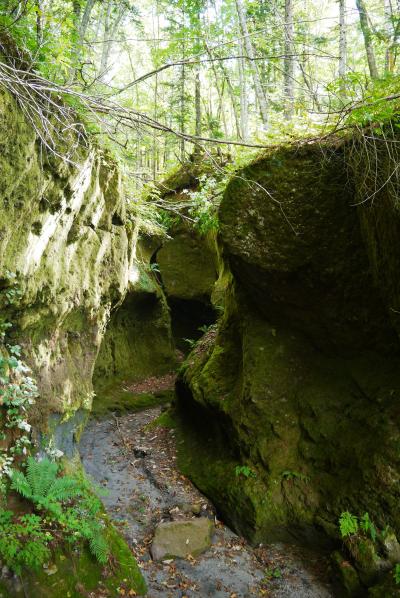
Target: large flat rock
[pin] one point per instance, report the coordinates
(182, 538)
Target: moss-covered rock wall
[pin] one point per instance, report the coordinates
(138, 341)
(302, 380)
(64, 233)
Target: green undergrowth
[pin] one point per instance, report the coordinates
(55, 536)
(75, 573)
(116, 399)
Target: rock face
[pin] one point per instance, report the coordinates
(187, 260)
(182, 538)
(65, 235)
(188, 267)
(138, 341)
(67, 258)
(298, 392)
(61, 232)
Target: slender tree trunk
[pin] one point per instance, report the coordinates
(182, 109)
(342, 39)
(219, 88)
(232, 97)
(106, 41)
(156, 36)
(392, 28)
(110, 31)
(260, 95)
(182, 93)
(39, 22)
(367, 34)
(84, 24)
(197, 99)
(244, 106)
(288, 68)
(308, 81)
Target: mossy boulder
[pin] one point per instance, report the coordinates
(138, 340)
(301, 382)
(83, 275)
(187, 265)
(187, 259)
(346, 575)
(386, 588)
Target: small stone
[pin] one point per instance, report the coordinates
(179, 539)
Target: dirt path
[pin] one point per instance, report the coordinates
(137, 466)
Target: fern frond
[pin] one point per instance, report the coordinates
(51, 506)
(64, 488)
(98, 546)
(41, 475)
(20, 484)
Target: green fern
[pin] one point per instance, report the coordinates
(47, 490)
(80, 522)
(98, 545)
(20, 484)
(368, 526)
(42, 485)
(41, 475)
(348, 524)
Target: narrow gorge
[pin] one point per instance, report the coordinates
(198, 410)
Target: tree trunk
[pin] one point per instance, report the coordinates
(367, 34)
(288, 68)
(244, 107)
(182, 118)
(197, 99)
(232, 97)
(342, 39)
(39, 22)
(308, 81)
(392, 29)
(85, 20)
(262, 102)
(110, 31)
(106, 41)
(218, 87)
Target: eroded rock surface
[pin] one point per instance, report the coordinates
(76, 255)
(300, 384)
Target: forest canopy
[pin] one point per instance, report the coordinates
(157, 76)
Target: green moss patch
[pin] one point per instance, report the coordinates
(119, 400)
(74, 574)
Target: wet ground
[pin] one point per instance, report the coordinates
(136, 463)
